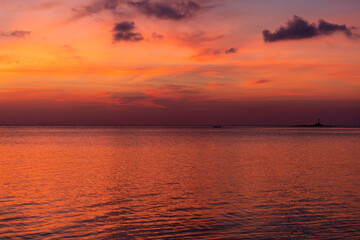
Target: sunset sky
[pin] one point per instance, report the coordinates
(179, 62)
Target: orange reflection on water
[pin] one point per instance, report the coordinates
(178, 183)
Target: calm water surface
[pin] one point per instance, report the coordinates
(179, 183)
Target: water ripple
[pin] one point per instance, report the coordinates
(179, 184)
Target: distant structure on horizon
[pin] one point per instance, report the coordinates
(318, 124)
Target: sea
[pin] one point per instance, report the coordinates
(179, 183)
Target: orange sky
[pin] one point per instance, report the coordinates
(176, 58)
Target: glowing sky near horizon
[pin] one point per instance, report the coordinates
(91, 58)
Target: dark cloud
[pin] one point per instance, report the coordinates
(161, 9)
(128, 36)
(124, 26)
(124, 32)
(17, 33)
(173, 10)
(231, 50)
(326, 28)
(299, 28)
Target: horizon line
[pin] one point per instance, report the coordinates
(176, 125)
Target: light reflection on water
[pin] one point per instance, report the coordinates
(179, 183)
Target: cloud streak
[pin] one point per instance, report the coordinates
(17, 33)
(261, 81)
(160, 97)
(298, 28)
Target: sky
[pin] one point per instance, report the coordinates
(179, 62)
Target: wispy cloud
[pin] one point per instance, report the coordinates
(172, 10)
(157, 36)
(95, 8)
(17, 33)
(261, 81)
(44, 6)
(231, 50)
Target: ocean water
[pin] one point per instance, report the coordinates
(179, 183)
